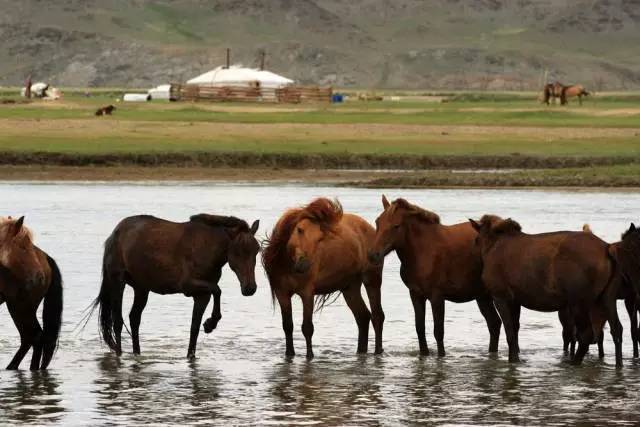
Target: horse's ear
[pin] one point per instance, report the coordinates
(385, 202)
(476, 226)
(632, 227)
(18, 225)
(254, 226)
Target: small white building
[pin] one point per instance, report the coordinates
(240, 76)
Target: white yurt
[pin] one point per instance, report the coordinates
(239, 76)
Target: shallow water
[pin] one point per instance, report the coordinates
(241, 374)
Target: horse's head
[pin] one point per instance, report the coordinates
(312, 225)
(627, 255)
(392, 226)
(17, 251)
(490, 228)
(243, 250)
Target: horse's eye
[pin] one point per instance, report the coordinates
(300, 231)
(396, 226)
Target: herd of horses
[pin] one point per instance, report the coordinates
(556, 90)
(317, 250)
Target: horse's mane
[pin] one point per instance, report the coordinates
(422, 214)
(24, 233)
(498, 225)
(322, 211)
(221, 221)
(630, 231)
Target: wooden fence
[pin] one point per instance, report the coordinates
(289, 94)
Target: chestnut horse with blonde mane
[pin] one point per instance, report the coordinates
(28, 276)
(317, 250)
(550, 272)
(438, 263)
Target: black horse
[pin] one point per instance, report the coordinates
(155, 255)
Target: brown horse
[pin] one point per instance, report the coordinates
(155, 255)
(439, 262)
(318, 250)
(631, 302)
(573, 91)
(28, 276)
(550, 272)
(552, 91)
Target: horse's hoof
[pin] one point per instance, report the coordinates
(424, 352)
(310, 355)
(210, 324)
(378, 351)
(191, 356)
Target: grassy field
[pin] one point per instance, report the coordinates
(438, 129)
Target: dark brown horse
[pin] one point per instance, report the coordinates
(631, 302)
(28, 277)
(552, 91)
(439, 262)
(550, 272)
(154, 255)
(318, 250)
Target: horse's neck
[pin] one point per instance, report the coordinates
(412, 250)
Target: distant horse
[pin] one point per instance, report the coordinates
(438, 263)
(552, 91)
(550, 272)
(572, 92)
(317, 250)
(28, 276)
(105, 111)
(154, 255)
(631, 302)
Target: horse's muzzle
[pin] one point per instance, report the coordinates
(249, 289)
(301, 265)
(375, 257)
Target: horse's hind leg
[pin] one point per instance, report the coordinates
(354, 300)
(373, 283)
(200, 303)
(116, 315)
(36, 356)
(135, 315)
(630, 304)
(419, 308)
(488, 310)
(610, 301)
(437, 308)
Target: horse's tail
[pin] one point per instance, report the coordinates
(105, 300)
(51, 314)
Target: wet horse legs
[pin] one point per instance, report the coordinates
(307, 322)
(354, 300)
(494, 323)
(200, 303)
(284, 301)
(419, 307)
(377, 314)
(632, 309)
(510, 314)
(437, 308)
(139, 303)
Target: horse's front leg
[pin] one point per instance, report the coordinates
(284, 301)
(419, 308)
(630, 304)
(506, 310)
(307, 321)
(200, 303)
(361, 313)
(437, 308)
(488, 311)
(372, 285)
(211, 323)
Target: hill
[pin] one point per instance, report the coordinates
(449, 44)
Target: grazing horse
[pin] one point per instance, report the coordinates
(154, 255)
(550, 272)
(573, 91)
(28, 276)
(318, 250)
(438, 263)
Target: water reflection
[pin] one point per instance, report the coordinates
(26, 397)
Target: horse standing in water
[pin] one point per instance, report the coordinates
(438, 263)
(550, 272)
(28, 276)
(318, 250)
(155, 255)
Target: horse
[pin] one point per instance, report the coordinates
(573, 91)
(105, 111)
(550, 272)
(28, 277)
(631, 302)
(438, 263)
(552, 91)
(314, 251)
(155, 255)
